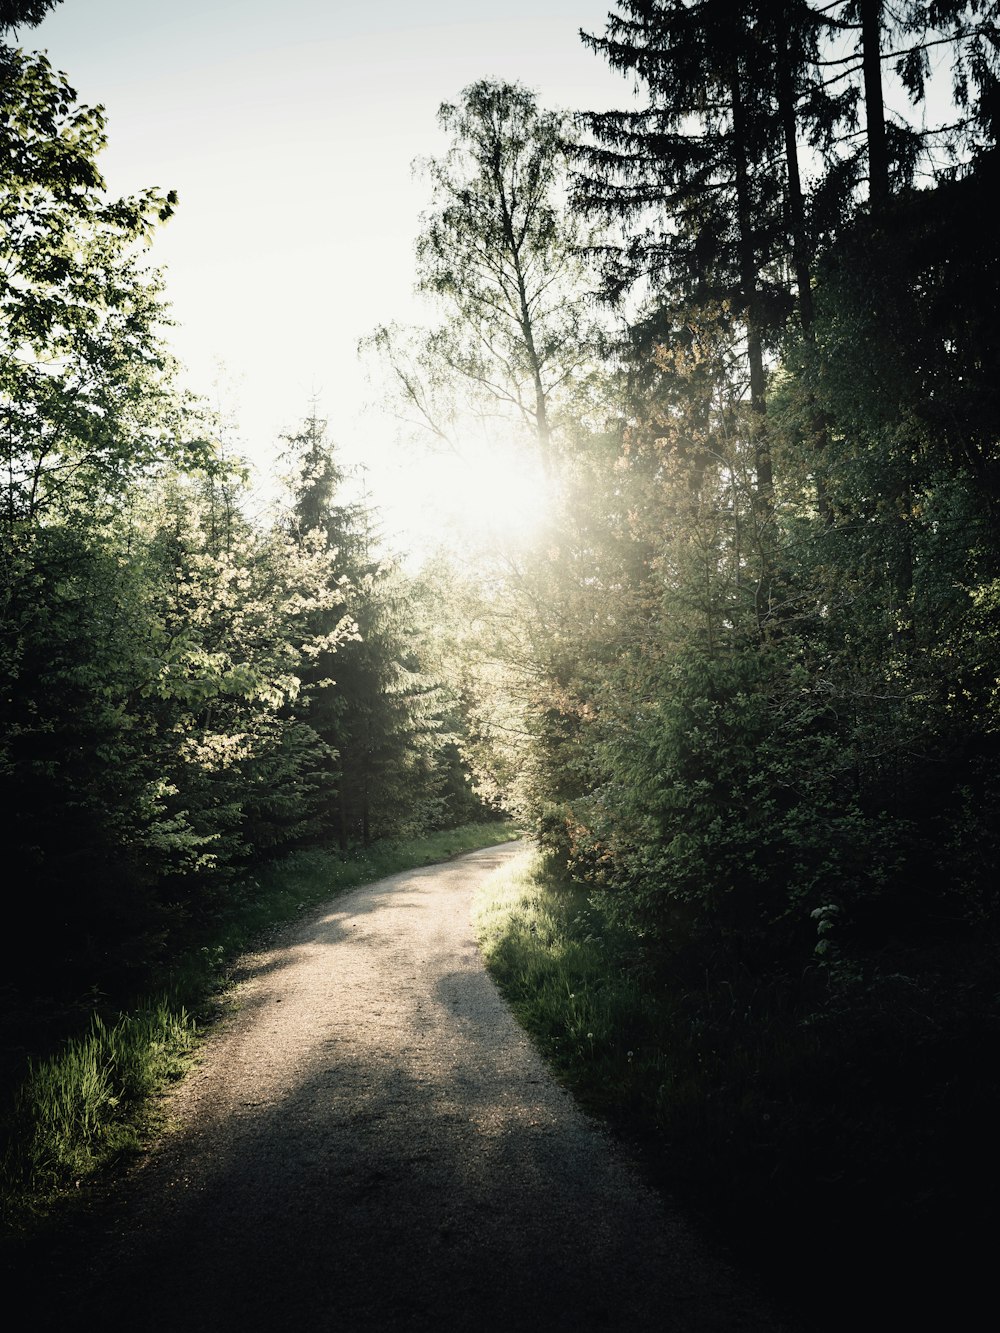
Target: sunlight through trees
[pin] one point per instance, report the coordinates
(719, 371)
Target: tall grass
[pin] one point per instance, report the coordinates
(91, 1102)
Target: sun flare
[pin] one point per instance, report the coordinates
(485, 494)
(495, 496)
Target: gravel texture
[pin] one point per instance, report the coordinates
(371, 1142)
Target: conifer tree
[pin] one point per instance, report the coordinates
(375, 708)
(690, 174)
(24, 13)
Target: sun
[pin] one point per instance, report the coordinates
(481, 494)
(496, 493)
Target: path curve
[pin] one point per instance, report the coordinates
(370, 1142)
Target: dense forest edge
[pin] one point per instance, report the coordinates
(742, 689)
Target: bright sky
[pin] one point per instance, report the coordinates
(288, 131)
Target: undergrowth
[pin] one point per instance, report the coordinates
(575, 986)
(845, 1128)
(92, 1100)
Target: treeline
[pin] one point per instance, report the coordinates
(791, 756)
(752, 669)
(186, 691)
(754, 657)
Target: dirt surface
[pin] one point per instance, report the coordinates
(371, 1142)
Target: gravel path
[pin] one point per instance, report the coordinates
(370, 1142)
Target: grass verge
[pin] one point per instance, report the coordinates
(573, 982)
(89, 1102)
(93, 1101)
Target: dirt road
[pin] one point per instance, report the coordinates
(370, 1142)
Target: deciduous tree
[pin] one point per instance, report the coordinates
(498, 253)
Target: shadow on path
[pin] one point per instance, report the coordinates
(372, 1143)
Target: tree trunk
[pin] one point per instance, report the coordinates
(526, 325)
(871, 58)
(800, 250)
(748, 282)
(796, 205)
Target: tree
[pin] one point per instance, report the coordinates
(499, 254)
(903, 37)
(85, 402)
(151, 640)
(691, 170)
(86, 407)
(14, 13)
(377, 708)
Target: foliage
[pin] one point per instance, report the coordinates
(756, 724)
(851, 1136)
(168, 698)
(769, 757)
(84, 378)
(13, 13)
(392, 728)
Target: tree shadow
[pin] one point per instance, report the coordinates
(419, 1173)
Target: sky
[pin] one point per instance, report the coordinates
(288, 130)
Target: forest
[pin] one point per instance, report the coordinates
(743, 690)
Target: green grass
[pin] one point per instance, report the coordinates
(93, 1102)
(574, 983)
(90, 1102)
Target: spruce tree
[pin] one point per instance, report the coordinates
(690, 175)
(705, 180)
(370, 701)
(24, 13)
